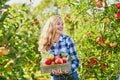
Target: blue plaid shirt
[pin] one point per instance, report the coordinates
(66, 45)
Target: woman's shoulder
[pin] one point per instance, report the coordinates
(66, 37)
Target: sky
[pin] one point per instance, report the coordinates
(34, 3)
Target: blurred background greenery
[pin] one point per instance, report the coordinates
(91, 23)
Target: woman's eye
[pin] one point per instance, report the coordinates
(59, 23)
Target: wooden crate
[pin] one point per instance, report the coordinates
(49, 68)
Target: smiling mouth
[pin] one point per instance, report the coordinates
(60, 29)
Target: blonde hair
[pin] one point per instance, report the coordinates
(48, 33)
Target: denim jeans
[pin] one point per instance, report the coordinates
(72, 76)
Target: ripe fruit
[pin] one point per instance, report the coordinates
(117, 15)
(1, 53)
(99, 4)
(99, 39)
(104, 66)
(5, 50)
(64, 60)
(51, 59)
(93, 60)
(58, 61)
(89, 34)
(118, 5)
(35, 22)
(55, 58)
(113, 45)
(47, 61)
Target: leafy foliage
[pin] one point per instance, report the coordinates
(84, 21)
(94, 29)
(20, 33)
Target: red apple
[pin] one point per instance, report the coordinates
(56, 57)
(99, 4)
(58, 61)
(64, 59)
(35, 22)
(93, 60)
(47, 61)
(1, 53)
(99, 39)
(104, 66)
(53, 60)
(117, 15)
(89, 34)
(118, 5)
(5, 50)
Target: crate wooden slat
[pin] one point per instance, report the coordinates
(49, 68)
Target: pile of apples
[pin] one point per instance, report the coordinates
(54, 60)
(4, 50)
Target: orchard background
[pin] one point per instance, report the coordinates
(93, 24)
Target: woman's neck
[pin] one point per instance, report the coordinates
(56, 39)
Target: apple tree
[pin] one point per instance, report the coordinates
(19, 34)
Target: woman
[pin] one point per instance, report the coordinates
(55, 42)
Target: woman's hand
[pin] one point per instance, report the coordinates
(58, 72)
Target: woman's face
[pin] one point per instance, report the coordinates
(59, 26)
